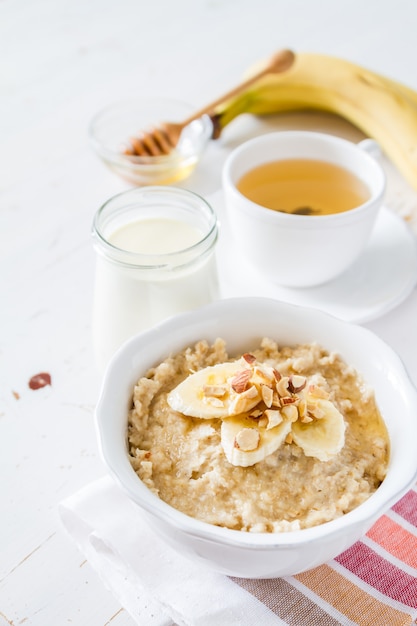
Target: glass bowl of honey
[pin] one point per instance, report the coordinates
(113, 128)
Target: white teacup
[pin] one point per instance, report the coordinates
(302, 250)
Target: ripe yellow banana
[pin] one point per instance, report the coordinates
(383, 109)
(259, 408)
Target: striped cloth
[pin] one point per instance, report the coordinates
(373, 583)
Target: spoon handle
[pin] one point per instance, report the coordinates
(279, 62)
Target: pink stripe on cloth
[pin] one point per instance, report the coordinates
(364, 597)
(407, 507)
(395, 539)
(380, 574)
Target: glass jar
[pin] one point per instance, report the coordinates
(155, 258)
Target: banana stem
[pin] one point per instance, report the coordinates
(232, 109)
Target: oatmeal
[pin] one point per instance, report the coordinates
(277, 439)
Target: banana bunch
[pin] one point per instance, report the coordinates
(260, 409)
(382, 109)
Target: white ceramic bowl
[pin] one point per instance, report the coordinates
(302, 250)
(242, 322)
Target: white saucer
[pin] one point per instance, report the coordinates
(382, 278)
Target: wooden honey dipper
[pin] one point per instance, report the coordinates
(163, 139)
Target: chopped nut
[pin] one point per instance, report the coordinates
(274, 418)
(251, 392)
(282, 386)
(245, 401)
(318, 392)
(290, 412)
(306, 419)
(214, 390)
(297, 383)
(240, 381)
(264, 374)
(276, 400)
(315, 411)
(267, 395)
(263, 422)
(288, 400)
(288, 438)
(40, 380)
(247, 439)
(249, 358)
(302, 408)
(277, 375)
(213, 401)
(256, 413)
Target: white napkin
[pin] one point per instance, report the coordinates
(154, 583)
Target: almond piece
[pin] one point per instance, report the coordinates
(250, 392)
(282, 387)
(264, 373)
(249, 358)
(318, 392)
(274, 418)
(267, 395)
(276, 400)
(288, 400)
(277, 375)
(315, 411)
(213, 401)
(214, 390)
(247, 439)
(40, 380)
(240, 381)
(290, 412)
(297, 383)
(245, 401)
(302, 408)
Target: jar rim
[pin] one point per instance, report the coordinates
(184, 198)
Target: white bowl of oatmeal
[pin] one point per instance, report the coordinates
(258, 490)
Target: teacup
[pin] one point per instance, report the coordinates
(298, 250)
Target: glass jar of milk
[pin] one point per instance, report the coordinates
(155, 258)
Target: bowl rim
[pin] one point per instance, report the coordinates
(117, 462)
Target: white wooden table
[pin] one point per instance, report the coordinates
(61, 61)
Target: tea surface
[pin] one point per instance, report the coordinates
(304, 187)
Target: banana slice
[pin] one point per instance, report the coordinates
(217, 391)
(245, 442)
(324, 435)
(231, 391)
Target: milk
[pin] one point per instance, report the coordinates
(155, 236)
(148, 269)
